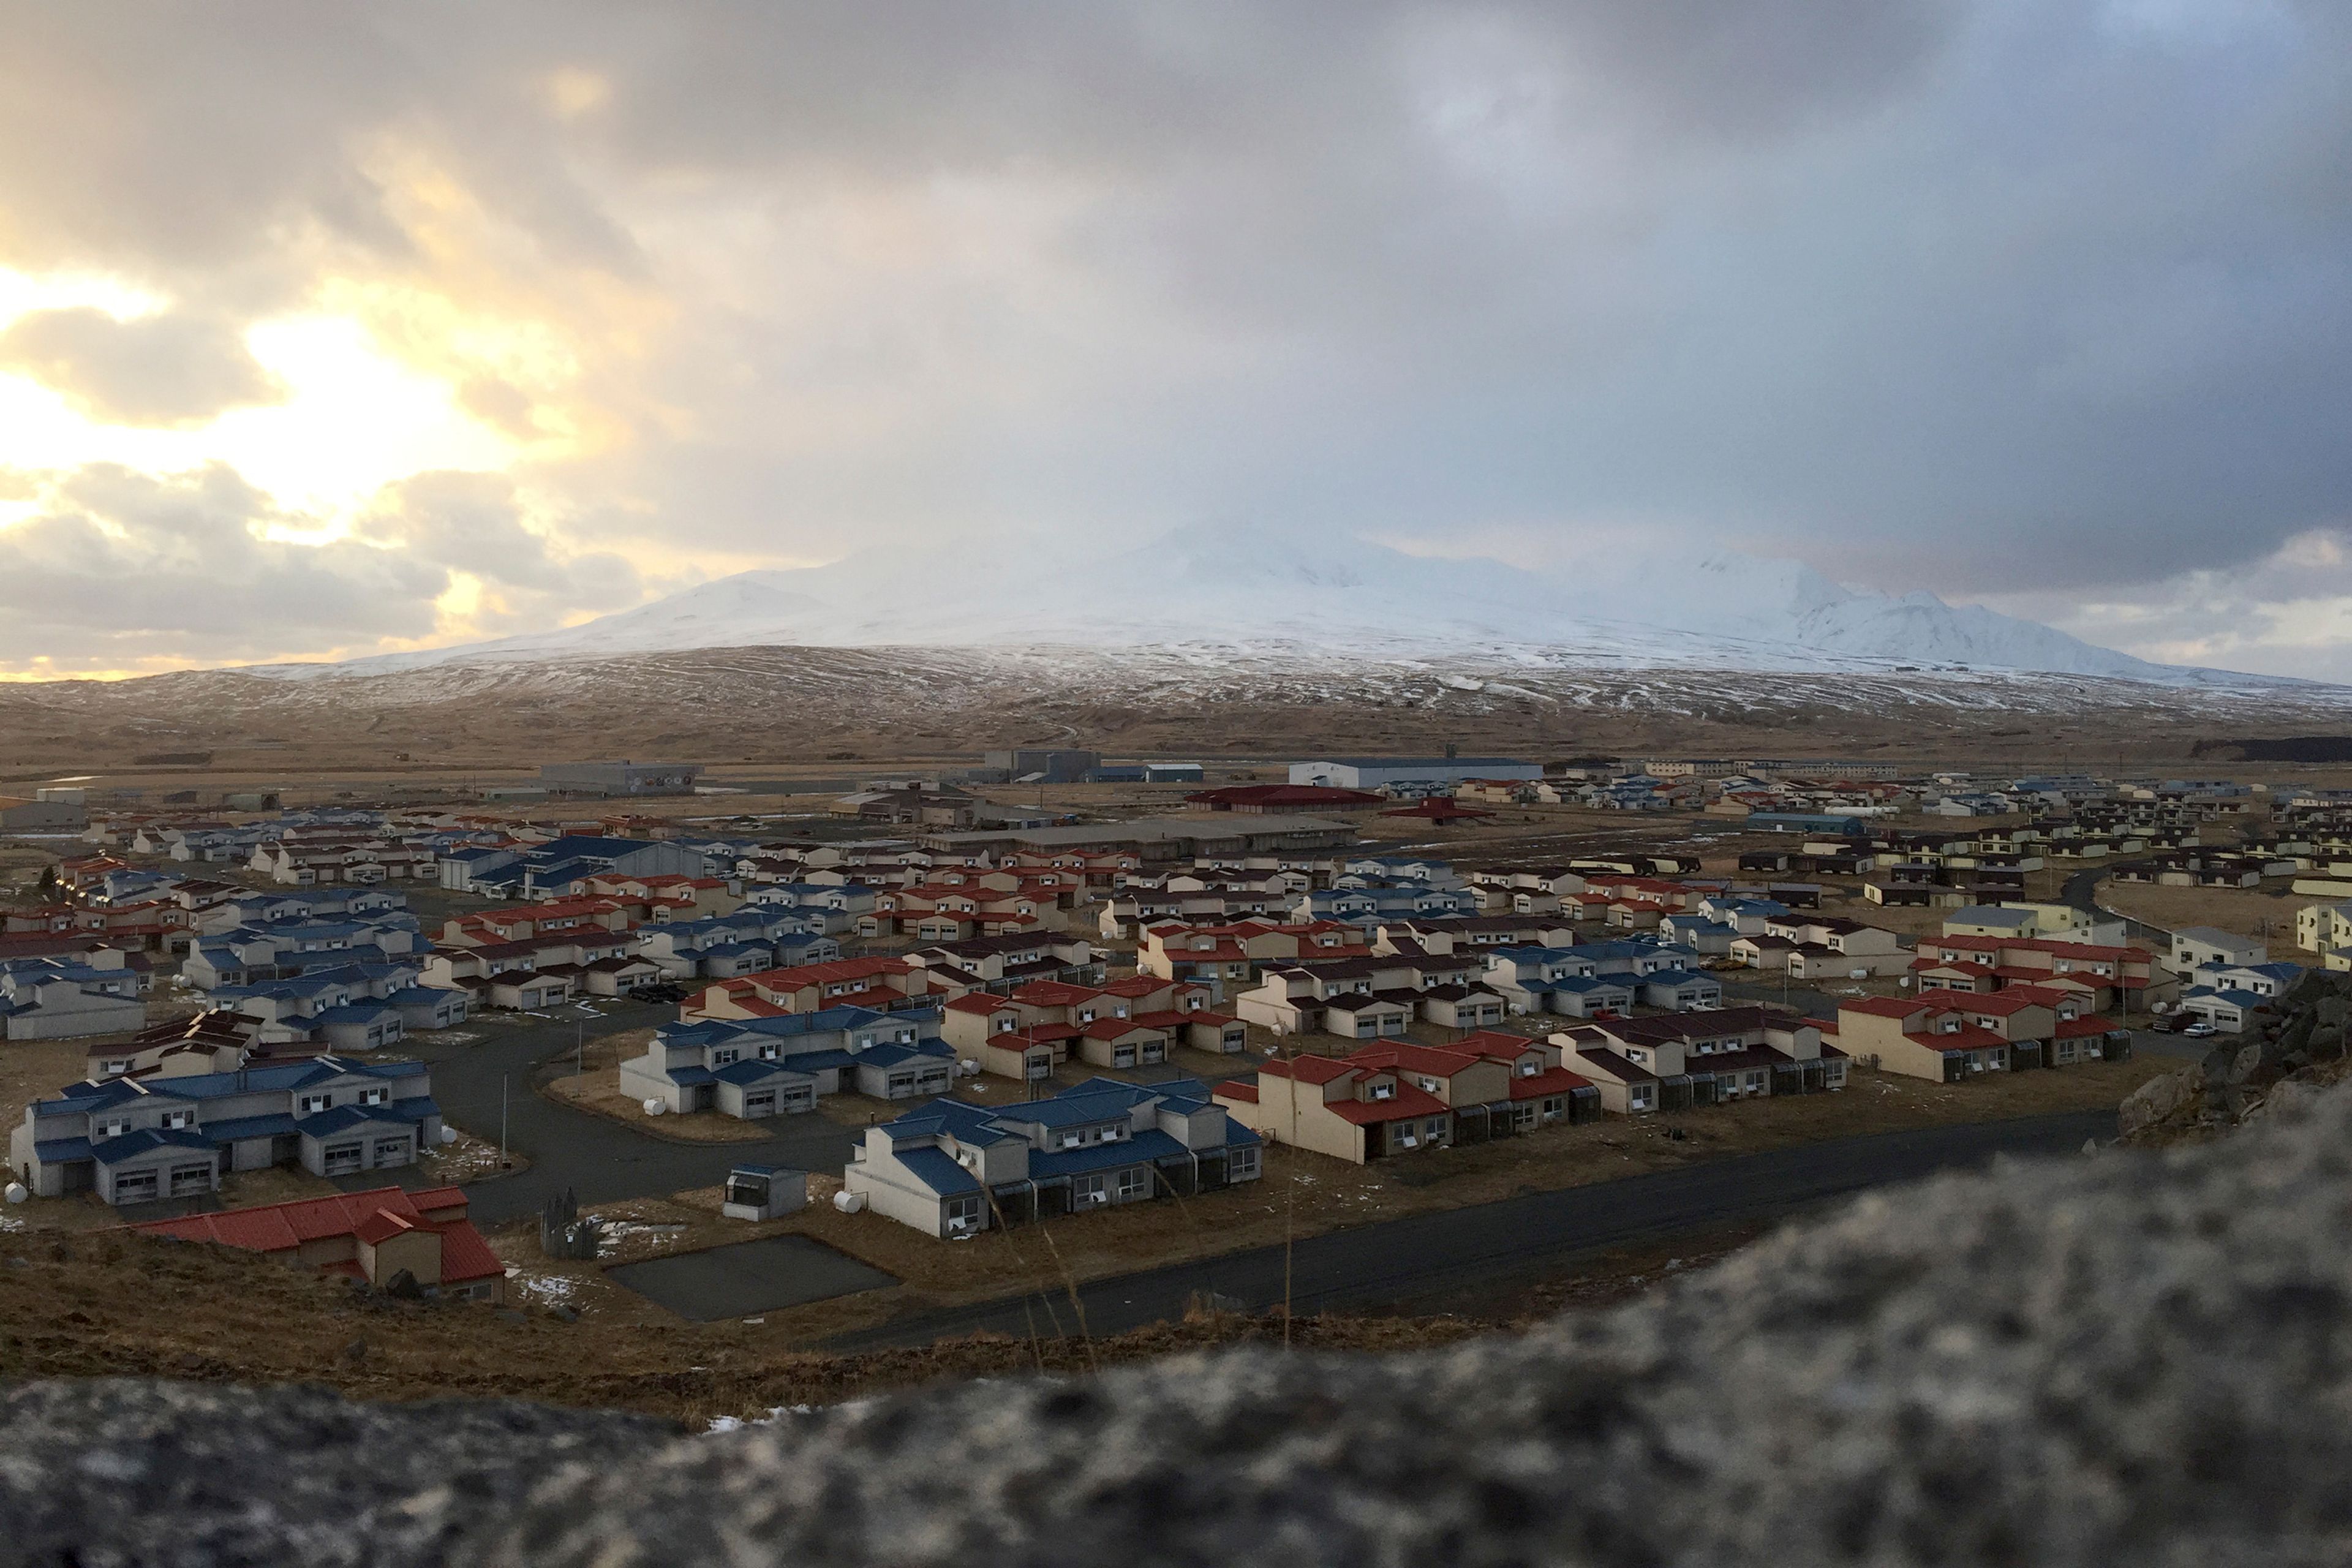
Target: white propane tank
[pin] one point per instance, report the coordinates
(849, 1201)
(449, 1135)
(969, 1068)
(16, 1192)
(654, 1108)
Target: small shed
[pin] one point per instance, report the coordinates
(765, 1192)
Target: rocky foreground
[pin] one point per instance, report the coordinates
(2130, 1357)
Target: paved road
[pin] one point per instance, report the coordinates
(1428, 1254)
(2081, 891)
(600, 1159)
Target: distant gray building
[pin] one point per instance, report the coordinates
(1056, 766)
(621, 778)
(1378, 773)
(18, 814)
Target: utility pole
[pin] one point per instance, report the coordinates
(502, 1122)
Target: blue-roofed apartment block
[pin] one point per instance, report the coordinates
(136, 1140)
(754, 1068)
(953, 1169)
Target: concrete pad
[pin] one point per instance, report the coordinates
(748, 1276)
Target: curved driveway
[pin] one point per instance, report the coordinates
(601, 1159)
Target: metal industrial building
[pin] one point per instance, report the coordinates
(1376, 773)
(621, 778)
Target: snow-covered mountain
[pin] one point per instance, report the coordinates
(1231, 591)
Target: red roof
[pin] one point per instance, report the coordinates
(376, 1215)
(1307, 1069)
(1883, 1007)
(1552, 1080)
(1408, 1101)
(1495, 1043)
(2000, 1004)
(1245, 1093)
(1438, 1061)
(1437, 808)
(1282, 795)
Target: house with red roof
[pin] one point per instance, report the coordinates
(1396, 1097)
(1919, 1038)
(1703, 1057)
(376, 1236)
(1353, 1112)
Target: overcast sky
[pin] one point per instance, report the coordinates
(328, 330)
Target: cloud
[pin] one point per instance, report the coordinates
(1953, 294)
(116, 569)
(473, 524)
(148, 370)
(119, 570)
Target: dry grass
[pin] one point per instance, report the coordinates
(599, 1090)
(88, 1305)
(2266, 914)
(1332, 1194)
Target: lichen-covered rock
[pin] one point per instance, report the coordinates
(2142, 1358)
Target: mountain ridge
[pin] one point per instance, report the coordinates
(1231, 591)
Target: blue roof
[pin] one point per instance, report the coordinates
(237, 1129)
(1148, 1145)
(892, 1056)
(50, 1152)
(327, 1123)
(758, 1069)
(1677, 977)
(937, 1172)
(146, 1140)
(355, 1013)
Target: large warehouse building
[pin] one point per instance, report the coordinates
(1378, 773)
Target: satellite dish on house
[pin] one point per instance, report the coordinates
(654, 1108)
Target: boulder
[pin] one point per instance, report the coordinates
(2133, 1359)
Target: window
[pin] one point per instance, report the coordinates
(1134, 1184)
(113, 1127)
(312, 1103)
(176, 1119)
(374, 1096)
(1088, 1190)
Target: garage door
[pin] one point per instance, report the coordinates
(186, 1179)
(392, 1151)
(342, 1159)
(134, 1186)
(760, 1104)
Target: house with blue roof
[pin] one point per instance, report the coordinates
(1557, 980)
(137, 1139)
(953, 1169)
(756, 1067)
(65, 998)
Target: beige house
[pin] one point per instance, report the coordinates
(1685, 1059)
(1356, 1113)
(1914, 1036)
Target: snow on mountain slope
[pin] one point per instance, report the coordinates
(1236, 592)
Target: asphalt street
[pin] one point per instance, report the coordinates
(599, 1159)
(1424, 1255)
